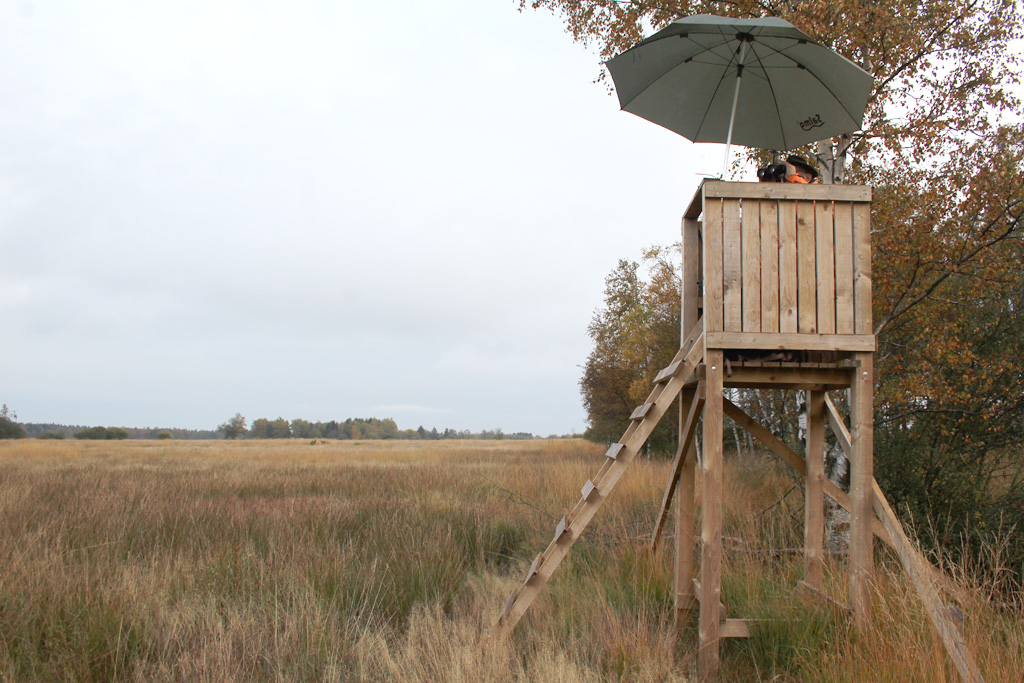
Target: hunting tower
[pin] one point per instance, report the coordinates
(777, 290)
(776, 295)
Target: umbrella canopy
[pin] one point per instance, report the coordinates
(754, 82)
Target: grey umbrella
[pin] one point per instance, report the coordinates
(754, 82)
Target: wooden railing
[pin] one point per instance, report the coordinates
(785, 266)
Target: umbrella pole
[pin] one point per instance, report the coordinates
(735, 99)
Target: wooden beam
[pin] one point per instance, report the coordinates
(696, 205)
(787, 267)
(844, 193)
(835, 422)
(807, 291)
(814, 501)
(824, 239)
(711, 517)
(713, 266)
(751, 257)
(844, 267)
(759, 432)
(734, 628)
(862, 556)
(769, 214)
(797, 342)
(689, 430)
(843, 438)
(824, 597)
(784, 378)
(732, 267)
(697, 593)
(793, 459)
(862, 323)
(686, 539)
(914, 565)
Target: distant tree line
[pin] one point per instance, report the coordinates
(237, 427)
(50, 430)
(369, 428)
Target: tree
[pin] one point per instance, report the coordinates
(9, 428)
(102, 433)
(948, 178)
(332, 430)
(280, 429)
(635, 335)
(260, 429)
(233, 428)
(303, 429)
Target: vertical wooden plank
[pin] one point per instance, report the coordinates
(690, 276)
(824, 238)
(751, 229)
(711, 517)
(807, 305)
(713, 265)
(862, 559)
(732, 267)
(862, 323)
(787, 267)
(769, 266)
(814, 500)
(686, 537)
(844, 267)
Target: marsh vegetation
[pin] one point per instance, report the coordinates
(388, 561)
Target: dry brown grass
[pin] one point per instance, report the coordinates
(388, 561)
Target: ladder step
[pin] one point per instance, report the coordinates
(562, 529)
(535, 566)
(588, 490)
(614, 450)
(641, 411)
(668, 373)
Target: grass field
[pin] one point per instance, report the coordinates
(388, 561)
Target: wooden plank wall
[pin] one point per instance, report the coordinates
(781, 265)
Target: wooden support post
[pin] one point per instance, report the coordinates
(686, 539)
(814, 501)
(711, 516)
(862, 558)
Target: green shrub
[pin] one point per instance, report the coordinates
(9, 429)
(102, 433)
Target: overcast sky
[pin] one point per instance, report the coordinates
(313, 209)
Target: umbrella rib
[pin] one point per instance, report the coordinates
(771, 88)
(782, 53)
(718, 87)
(704, 50)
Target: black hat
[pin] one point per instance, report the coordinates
(801, 163)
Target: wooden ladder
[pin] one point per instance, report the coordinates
(644, 419)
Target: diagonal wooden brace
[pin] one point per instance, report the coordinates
(686, 440)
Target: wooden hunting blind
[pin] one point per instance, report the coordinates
(776, 295)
